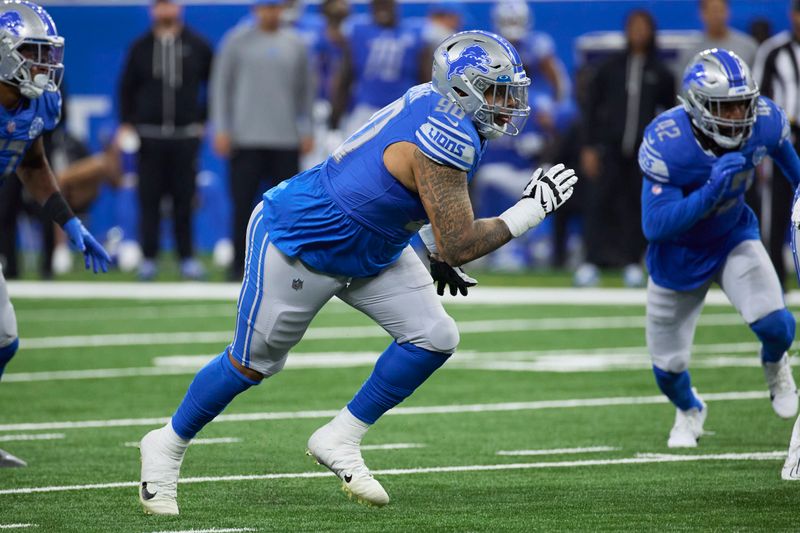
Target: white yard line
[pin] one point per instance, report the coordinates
(219, 440)
(16, 526)
(115, 314)
(396, 446)
(753, 456)
(35, 436)
(230, 292)
(397, 411)
(559, 451)
(361, 332)
(591, 360)
(212, 530)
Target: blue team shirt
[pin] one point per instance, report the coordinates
(19, 128)
(671, 157)
(349, 216)
(385, 61)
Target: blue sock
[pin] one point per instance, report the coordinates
(211, 391)
(678, 388)
(6, 353)
(776, 333)
(398, 372)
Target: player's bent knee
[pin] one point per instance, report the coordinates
(674, 362)
(775, 331)
(443, 335)
(8, 347)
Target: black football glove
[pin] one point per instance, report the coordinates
(446, 276)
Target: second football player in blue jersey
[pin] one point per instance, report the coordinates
(698, 160)
(30, 104)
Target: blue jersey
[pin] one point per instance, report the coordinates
(349, 216)
(675, 165)
(385, 62)
(19, 128)
(327, 56)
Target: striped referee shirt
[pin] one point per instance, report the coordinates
(777, 71)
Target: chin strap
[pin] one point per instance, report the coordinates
(34, 89)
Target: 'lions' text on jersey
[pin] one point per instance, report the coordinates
(349, 216)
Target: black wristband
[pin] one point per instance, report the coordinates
(57, 209)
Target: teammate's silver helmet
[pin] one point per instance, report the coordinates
(512, 19)
(31, 51)
(714, 79)
(482, 73)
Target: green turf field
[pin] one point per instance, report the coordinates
(564, 391)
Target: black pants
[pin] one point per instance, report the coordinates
(253, 171)
(613, 228)
(12, 204)
(780, 214)
(167, 167)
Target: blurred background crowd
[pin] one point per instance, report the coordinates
(179, 115)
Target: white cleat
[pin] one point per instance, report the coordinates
(343, 458)
(782, 389)
(791, 467)
(9, 461)
(158, 490)
(688, 427)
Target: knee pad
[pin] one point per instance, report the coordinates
(442, 336)
(776, 333)
(675, 362)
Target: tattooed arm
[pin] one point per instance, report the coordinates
(459, 237)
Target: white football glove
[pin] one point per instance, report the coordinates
(543, 195)
(796, 213)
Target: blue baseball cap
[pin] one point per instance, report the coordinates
(269, 2)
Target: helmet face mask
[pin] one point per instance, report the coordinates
(721, 97)
(506, 109)
(31, 51)
(482, 73)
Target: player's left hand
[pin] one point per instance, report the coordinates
(83, 241)
(453, 277)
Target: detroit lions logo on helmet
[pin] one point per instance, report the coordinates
(696, 73)
(473, 56)
(12, 22)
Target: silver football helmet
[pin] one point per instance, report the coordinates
(31, 51)
(714, 81)
(512, 19)
(482, 73)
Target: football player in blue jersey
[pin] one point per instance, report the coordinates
(30, 73)
(513, 19)
(698, 160)
(343, 229)
(382, 62)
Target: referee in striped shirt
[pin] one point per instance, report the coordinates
(777, 70)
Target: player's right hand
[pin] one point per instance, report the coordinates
(722, 173)
(796, 212)
(552, 189)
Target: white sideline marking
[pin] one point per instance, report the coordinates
(564, 360)
(397, 411)
(212, 530)
(362, 332)
(38, 436)
(106, 314)
(230, 292)
(219, 440)
(396, 446)
(16, 526)
(559, 451)
(665, 458)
